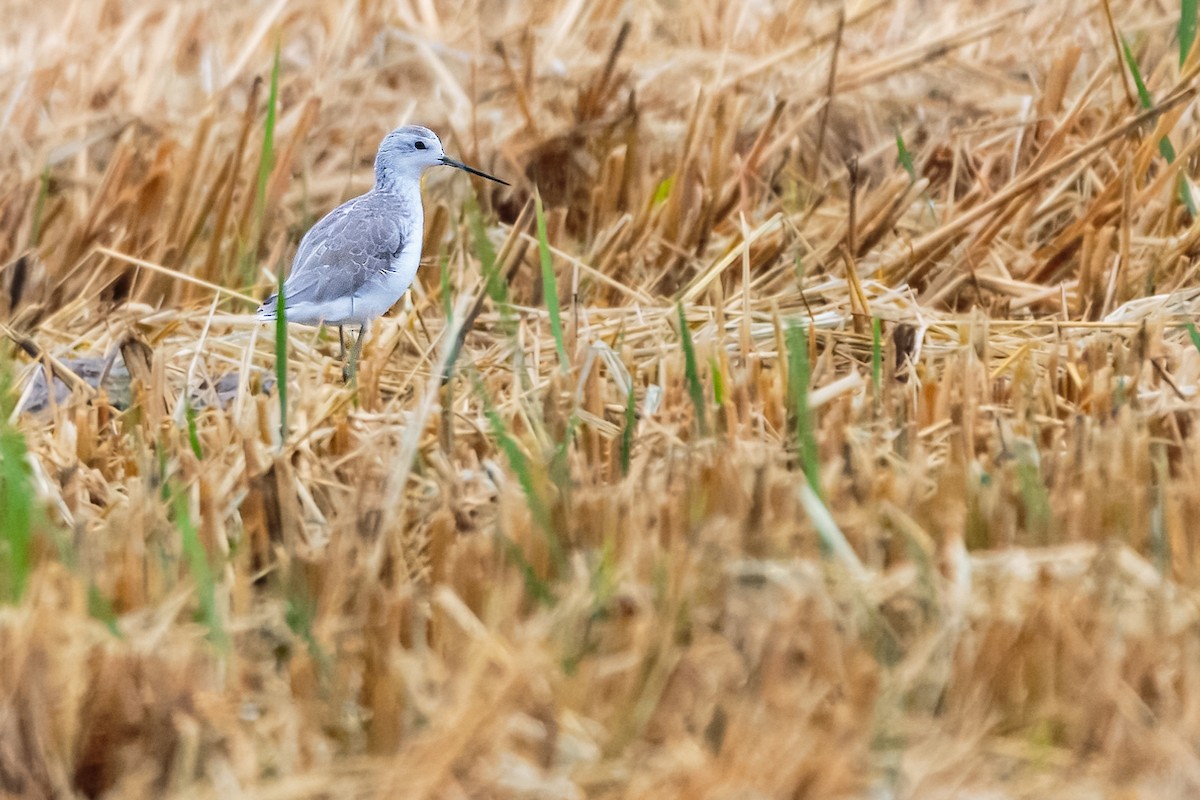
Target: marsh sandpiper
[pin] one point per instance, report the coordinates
(360, 258)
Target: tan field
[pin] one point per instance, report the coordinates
(815, 416)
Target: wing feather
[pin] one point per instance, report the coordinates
(349, 248)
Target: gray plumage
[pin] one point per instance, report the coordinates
(346, 260)
(360, 258)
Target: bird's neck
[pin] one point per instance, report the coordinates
(390, 181)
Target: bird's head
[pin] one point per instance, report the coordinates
(408, 151)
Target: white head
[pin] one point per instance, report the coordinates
(408, 151)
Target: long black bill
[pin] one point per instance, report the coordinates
(450, 162)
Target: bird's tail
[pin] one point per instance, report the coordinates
(266, 312)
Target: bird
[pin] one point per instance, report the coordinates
(359, 259)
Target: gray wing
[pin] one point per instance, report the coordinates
(348, 248)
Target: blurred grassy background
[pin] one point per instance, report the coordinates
(813, 417)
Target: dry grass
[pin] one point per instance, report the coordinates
(497, 587)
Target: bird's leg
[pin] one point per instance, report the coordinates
(355, 352)
(341, 342)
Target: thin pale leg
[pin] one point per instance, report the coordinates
(355, 352)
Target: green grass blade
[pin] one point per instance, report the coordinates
(193, 437)
(266, 163)
(300, 613)
(16, 507)
(663, 190)
(692, 372)
(1143, 93)
(559, 466)
(520, 464)
(101, 609)
(196, 559)
(1031, 488)
(798, 380)
(17, 510)
(627, 431)
(248, 249)
(549, 285)
(718, 381)
(538, 589)
(1194, 334)
(1187, 28)
(266, 158)
(495, 285)
(1160, 539)
(447, 290)
(904, 157)
(876, 356)
(486, 253)
(832, 541)
(281, 359)
(1165, 147)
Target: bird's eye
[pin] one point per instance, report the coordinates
(419, 145)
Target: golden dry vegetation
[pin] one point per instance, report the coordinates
(904, 508)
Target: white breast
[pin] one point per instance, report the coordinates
(377, 296)
(404, 268)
